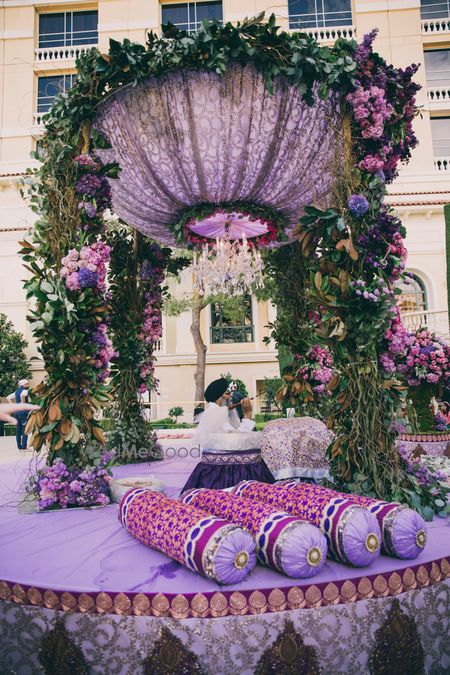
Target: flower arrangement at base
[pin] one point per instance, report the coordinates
(428, 489)
(234, 218)
(441, 422)
(422, 361)
(60, 487)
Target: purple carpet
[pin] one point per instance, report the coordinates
(88, 550)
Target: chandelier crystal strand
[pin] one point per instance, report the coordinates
(230, 267)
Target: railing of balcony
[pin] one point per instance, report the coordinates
(442, 163)
(331, 33)
(439, 94)
(38, 118)
(47, 54)
(230, 334)
(432, 26)
(435, 320)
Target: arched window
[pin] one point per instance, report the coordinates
(233, 322)
(414, 296)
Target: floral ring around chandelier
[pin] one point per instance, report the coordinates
(229, 235)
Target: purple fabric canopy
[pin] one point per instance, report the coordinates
(191, 137)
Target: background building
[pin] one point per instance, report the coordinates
(39, 42)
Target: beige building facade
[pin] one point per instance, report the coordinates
(39, 42)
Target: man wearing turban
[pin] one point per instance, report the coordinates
(216, 417)
(227, 458)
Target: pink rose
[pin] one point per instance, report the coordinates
(72, 282)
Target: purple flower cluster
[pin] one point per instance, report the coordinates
(383, 246)
(152, 276)
(316, 369)
(420, 357)
(374, 291)
(383, 108)
(425, 477)
(94, 190)
(441, 423)
(57, 486)
(358, 205)
(105, 351)
(87, 278)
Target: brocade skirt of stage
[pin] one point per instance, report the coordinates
(218, 470)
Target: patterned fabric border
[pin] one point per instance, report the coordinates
(226, 603)
(247, 457)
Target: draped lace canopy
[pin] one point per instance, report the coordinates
(194, 137)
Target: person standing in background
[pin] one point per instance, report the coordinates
(21, 396)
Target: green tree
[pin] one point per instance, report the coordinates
(176, 412)
(13, 362)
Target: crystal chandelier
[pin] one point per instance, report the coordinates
(231, 267)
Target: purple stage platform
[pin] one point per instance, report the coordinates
(83, 562)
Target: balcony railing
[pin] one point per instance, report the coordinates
(439, 94)
(38, 121)
(442, 163)
(434, 320)
(230, 334)
(47, 54)
(433, 26)
(331, 33)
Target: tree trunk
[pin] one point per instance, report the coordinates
(198, 305)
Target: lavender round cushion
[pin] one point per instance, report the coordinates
(304, 551)
(207, 545)
(404, 531)
(291, 546)
(352, 532)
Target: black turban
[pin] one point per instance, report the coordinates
(216, 389)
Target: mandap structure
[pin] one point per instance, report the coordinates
(242, 136)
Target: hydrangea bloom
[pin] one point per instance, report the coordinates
(358, 205)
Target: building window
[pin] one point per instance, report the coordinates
(49, 87)
(67, 29)
(232, 324)
(189, 15)
(440, 133)
(437, 67)
(430, 9)
(414, 296)
(319, 13)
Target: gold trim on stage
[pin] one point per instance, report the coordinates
(234, 603)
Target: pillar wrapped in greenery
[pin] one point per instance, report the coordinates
(67, 261)
(137, 272)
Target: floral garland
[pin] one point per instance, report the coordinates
(152, 274)
(382, 105)
(355, 254)
(69, 283)
(272, 219)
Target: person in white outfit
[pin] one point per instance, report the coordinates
(230, 446)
